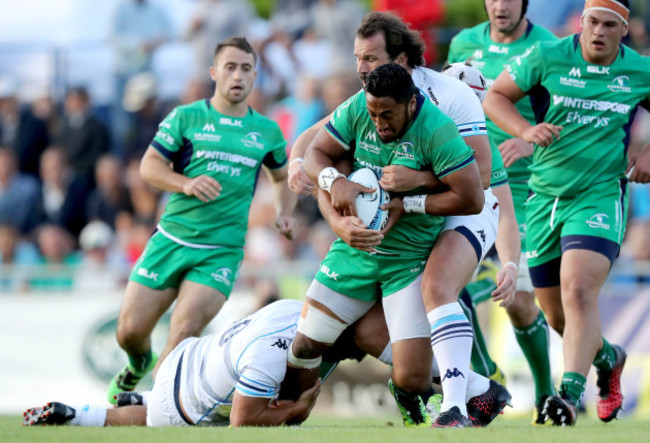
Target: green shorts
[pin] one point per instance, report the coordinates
(594, 220)
(520, 193)
(165, 264)
(366, 276)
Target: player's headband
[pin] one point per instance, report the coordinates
(608, 5)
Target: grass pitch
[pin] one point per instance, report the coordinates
(340, 430)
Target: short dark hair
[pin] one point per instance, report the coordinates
(393, 81)
(399, 38)
(236, 42)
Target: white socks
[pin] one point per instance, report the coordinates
(88, 415)
(451, 341)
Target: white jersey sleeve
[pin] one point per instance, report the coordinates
(262, 367)
(454, 98)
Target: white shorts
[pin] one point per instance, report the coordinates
(161, 407)
(479, 229)
(524, 284)
(404, 310)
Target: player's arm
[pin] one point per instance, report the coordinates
(323, 152)
(284, 200)
(499, 105)
(350, 228)
(483, 155)
(299, 182)
(256, 411)
(157, 171)
(638, 169)
(508, 245)
(463, 196)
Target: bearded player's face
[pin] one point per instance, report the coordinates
(504, 15)
(370, 53)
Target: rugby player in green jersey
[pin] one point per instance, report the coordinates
(390, 123)
(208, 155)
(489, 46)
(585, 90)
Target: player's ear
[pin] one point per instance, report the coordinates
(402, 60)
(626, 29)
(213, 73)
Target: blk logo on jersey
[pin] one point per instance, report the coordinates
(452, 374)
(598, 69)
(496, 49)
(282, 344)
(230, 122)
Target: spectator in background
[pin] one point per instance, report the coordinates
(421, 16)
(214, 21)
(336, 21)
(20, 130)
(111, 196)
(559, 16)
(103, 266)
(82, 136)
(64, 192)
(58, 259)
(14, 250)
(145, 112)
(137, 30)
(19, 195)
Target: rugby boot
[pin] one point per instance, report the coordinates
(484, 408)
(414, 412)
(560, 411)
(52, 414)
(610, 397)
(127, 379)
(452, 418)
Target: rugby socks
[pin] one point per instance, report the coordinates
(481, 361)
(451, 340)
(534, 343)
(573, 386)
(386, 355)
(139, 363)
(88, 415)
(605, 357)
(476, 385)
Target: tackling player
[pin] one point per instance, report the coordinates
(585, 90)
(489, 46)
(208, 155)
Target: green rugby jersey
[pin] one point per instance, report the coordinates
(431, 142)
(199, 140)
(596, 106)
(491, 58)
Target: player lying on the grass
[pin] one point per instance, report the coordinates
(234, 377)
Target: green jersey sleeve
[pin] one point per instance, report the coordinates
(528, 70)
(277, 155)
(451, 153)
(343, 124)
(169, 138)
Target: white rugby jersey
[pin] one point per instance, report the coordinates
(454, 98)
(249, 355)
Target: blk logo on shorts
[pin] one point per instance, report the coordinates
(452, 374)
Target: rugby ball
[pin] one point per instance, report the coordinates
(469, 75)
(369, 205)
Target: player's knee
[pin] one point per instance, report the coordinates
(316, 332)
(556, 321)
(130, 336)
(412, 379)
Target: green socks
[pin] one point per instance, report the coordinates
(140, 363)
(606, 357)
(534, 343)
(573, 386)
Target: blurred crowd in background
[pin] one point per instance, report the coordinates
(74, 212)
